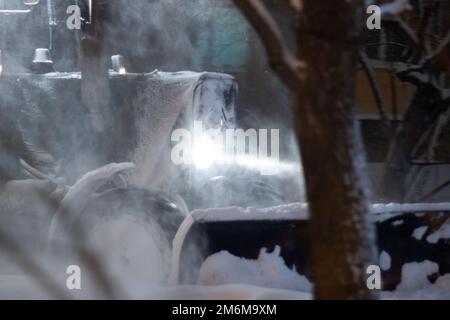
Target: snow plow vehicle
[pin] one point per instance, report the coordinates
(120, 183)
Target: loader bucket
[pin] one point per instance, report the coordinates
(244, 232)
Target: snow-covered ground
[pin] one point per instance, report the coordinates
(21, 287)
(269, 270)
(225, 276)
(416, 285)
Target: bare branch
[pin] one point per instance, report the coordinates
(375, 87)
(434, 191)
(410, 33)
(296, 5)
(442, 45)
(282, 61)
(437, 132)
(419, 39)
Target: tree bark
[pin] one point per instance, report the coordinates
(332, 154)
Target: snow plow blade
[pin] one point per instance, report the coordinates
(405, 233)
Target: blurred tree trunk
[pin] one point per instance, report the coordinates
(95, 90)
(94, 64)
(325, 124)
(332, 153)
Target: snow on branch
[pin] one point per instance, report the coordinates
(395, 7)
(296, 5)
(415, 73)
(283, 62)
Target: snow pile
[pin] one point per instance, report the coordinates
(414, 275)
(419, 232)
(385, 261)
(269, 270)
(416, 285)
(442, 233)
